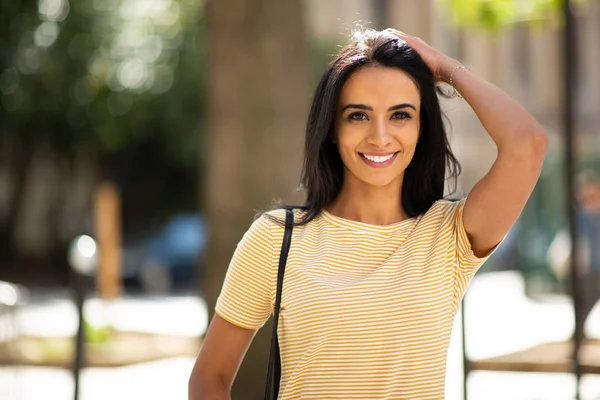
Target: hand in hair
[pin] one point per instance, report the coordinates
(439, 63)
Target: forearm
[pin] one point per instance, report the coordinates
(508, 123)
(199, 389)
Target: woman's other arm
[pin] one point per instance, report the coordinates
(223, 350)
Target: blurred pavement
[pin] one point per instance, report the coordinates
(500, 319)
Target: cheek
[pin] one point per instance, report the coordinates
(411, 138)
(347, 155)
(347, 141)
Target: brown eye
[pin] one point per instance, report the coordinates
(401, 115)
(357, 116)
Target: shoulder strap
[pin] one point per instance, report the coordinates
(274, 370)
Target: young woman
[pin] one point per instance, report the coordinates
(379, 260)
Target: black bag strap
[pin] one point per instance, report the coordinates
(274, 370)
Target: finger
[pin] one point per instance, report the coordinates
(398, 33)
(401, 35)
(395, 32)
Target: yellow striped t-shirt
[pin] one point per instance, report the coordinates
(367, 310)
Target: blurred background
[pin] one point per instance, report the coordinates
(139, 137)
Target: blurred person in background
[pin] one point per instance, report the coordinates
(588, 221)
(379, 259)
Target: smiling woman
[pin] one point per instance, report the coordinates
(376, 97)
(379, 260)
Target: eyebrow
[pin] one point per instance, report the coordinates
(369, 108)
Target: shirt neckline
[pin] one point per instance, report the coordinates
(364, 227)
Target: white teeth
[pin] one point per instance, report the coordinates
(378, 159)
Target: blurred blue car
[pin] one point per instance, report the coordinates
(168, 258)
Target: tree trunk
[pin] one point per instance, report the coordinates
(258, 88)
(22, 159)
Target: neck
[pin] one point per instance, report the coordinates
(375, 205)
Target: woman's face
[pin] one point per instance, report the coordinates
(377, 125)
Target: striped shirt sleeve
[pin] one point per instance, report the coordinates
(467, 262)
(245, 298)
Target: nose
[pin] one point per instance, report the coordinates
(379, 135)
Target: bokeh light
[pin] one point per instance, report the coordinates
(28, 60)
(53, 10)
(46, 34)
(8, 294)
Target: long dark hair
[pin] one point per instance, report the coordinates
(323, 172)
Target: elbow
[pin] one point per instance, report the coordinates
(535, 147)
(531, 146)
(539, 144)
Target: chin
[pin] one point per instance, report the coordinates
(380, 181)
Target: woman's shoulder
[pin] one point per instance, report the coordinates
(275, 219)
(444, 208)
(275, 216)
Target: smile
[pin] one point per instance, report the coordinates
(378, 161)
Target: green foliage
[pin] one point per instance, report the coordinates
(102, 74)
(493, 15)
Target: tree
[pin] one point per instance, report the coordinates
(258, 97)
(80, 81)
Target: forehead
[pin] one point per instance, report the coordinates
(378, 86)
